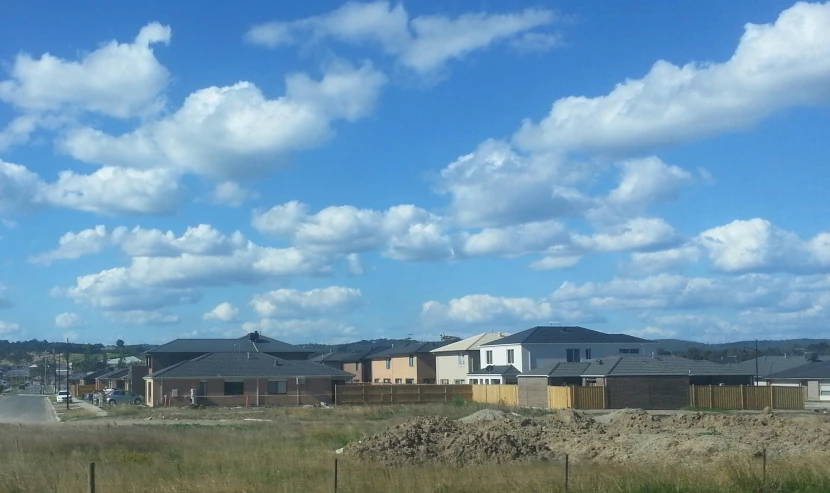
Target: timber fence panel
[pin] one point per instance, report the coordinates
(746, 397)
(559, 397)
(589, 397)
(504, 395)
(401, 393)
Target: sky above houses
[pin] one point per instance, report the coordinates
(328, 172)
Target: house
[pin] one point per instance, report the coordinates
(129, 360)
(767, 365)
(113, 379)
(814, 376)
(546, 345)
(631, 381)
(243, 378)
(83, 382)
(357, 363)
(180, 350)
(494, 375)
(453, 362)
(407, 363)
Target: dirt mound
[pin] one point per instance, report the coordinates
(485, 415)
(618, 437)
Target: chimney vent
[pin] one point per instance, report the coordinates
(249, 355)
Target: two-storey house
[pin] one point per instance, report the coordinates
(454, 361)
(406, 363)
(546, 345)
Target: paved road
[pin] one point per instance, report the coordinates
(26, 409)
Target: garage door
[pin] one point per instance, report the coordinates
(824, 392)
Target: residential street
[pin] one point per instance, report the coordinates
(26, 409)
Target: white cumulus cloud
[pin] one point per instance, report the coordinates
(224, 312)
(298, 331)
(292, 303)
(236, 130)
(422, 43)
(8, 327)
(775, 66)
(68, 320)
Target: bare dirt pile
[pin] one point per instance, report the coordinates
(621, 436)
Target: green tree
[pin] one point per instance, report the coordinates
(449, 338)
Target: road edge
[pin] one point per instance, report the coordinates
(52, 408)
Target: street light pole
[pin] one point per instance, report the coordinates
(756, 362)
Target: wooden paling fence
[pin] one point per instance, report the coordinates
(594, 397)
(401, 393)
(503, 395)
(746, 397)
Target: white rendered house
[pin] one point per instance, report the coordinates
(546, 345)
(454, 361)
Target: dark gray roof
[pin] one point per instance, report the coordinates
(768, 365)
(263, 345)
(404, 349)
(819, 369)
(246, 364)
(114, 374)
(505, 370)
(565, 335)
(85, 375)
(619, 366)
(333, 357)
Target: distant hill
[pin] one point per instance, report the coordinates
(677, 345)
(356, 346)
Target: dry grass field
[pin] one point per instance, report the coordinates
(292, 450)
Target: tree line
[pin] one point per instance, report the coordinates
(94, 356)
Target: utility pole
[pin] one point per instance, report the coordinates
(757, 355)
(67, 374)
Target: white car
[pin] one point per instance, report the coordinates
(64, 396)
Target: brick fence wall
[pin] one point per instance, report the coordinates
(648, 392)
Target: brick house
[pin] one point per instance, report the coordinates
(358, 363)
(646, 383)
(180, 350)
(407, 363)
(244, 378)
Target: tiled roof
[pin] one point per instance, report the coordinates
(471, 343)
(263, 345)
(404, 349)
(768, 365)
(820, 369)
(114, 374)
(495, 370)
(549, 334)
(246, 364)
(619, 366)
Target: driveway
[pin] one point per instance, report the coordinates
(26, 409)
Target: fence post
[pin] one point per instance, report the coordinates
(445, 393)
(743, 397)
(419, 394)
(771, 397)
(765, 466)
(711, 397)
(363, 393)
(91, 477)
(335, 475)
(567, 474)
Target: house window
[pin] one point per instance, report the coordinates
(410, 380)
(495, 381)
(587, 354)
(234, 388)
(474, 381)
(388, 363)
(202, 389)
(489, 357)
(444, 381)
(398, 380)
(573, 355)
(377, 380)
(386, 380)
(458, 382)
(277, 387)
(509, 356)
(357, 366)
(411, 360)
(630, 351)
(430, 381)
(462, 360)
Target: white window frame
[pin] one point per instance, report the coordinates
(488, 357)
(511, 358)
(462, 360)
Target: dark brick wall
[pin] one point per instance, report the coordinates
(648, 392)
(533, 392)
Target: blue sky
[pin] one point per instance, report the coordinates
(332, 172)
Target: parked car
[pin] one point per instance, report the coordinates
(64, 396)
(123, 397)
